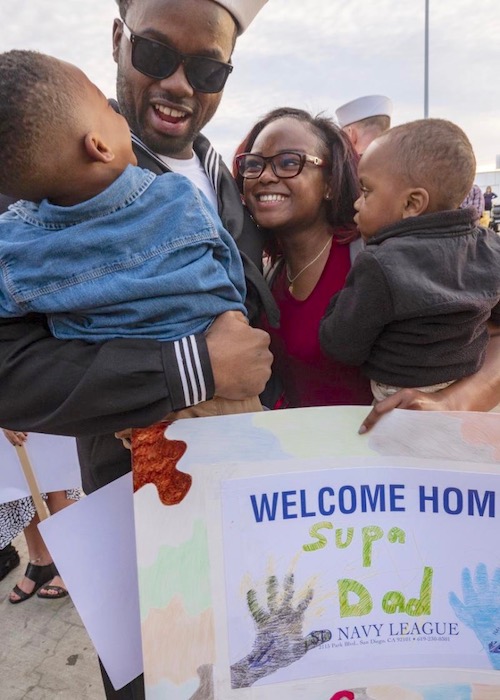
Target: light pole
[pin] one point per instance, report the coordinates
(426, 61)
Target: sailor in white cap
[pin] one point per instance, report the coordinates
(364, 119)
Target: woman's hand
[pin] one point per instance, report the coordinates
(15, 437)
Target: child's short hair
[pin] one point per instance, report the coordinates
(434, 154)
(37, 96)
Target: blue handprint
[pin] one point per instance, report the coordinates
(480, 609)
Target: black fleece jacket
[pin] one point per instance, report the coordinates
(416, 303)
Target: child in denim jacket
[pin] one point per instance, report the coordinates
(100, 246)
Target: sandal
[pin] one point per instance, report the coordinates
(39, 575)
(59, 592)
(9, 559)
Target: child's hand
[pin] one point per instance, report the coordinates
(15, 437)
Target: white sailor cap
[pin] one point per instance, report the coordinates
(243, 11)
(362, 108)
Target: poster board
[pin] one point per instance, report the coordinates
(54, 460)
(291, 558)
(100, 530)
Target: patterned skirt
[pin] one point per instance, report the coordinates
(16, 515)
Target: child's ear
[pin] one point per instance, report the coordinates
(417, 202)
(96, 149)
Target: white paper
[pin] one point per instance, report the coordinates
(372, 533)
(93, 544)
(54, 460)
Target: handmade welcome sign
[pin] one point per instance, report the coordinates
(281, 555)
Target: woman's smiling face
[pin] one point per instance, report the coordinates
(288, 203)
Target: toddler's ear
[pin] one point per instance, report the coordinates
(96, 149)
(417, 202)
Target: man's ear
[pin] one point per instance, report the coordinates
(116, 37)
(417, 202)
(352, 132)
(96, 149)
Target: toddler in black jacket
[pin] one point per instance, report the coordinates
(419, 299)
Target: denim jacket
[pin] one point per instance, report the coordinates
(148, 257)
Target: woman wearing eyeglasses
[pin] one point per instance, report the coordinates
(298, 177)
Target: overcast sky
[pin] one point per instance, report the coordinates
(315, 54)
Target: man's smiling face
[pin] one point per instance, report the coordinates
(168, 114)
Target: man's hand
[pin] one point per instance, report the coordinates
(240, 356)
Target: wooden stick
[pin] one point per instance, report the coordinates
(32, 482)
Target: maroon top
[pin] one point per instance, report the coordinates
(309, 377)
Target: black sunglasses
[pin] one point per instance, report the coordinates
(284, 165)
(158, 61)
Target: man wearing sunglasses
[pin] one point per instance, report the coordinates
(173, 60)
(174, 57)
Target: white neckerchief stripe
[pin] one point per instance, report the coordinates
(211, 166)
(207, 164)
(211, 162)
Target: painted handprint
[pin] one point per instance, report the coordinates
(279, 641)
(480, 609)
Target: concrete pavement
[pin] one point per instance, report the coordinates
(45, 652)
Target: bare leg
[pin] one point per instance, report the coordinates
(37, 552)
(56, 501)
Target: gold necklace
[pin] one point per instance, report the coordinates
(292, 279)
